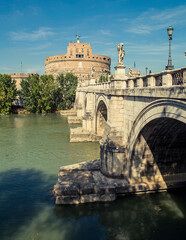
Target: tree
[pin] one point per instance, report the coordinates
(8, 93)
(67, 90)
(44, 94)
(39, 94)
(48, 92)
(30, 93)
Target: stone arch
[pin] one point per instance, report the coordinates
(156, 145)
(101, 115)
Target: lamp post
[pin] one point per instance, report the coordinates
(146, 69)
(169, 66)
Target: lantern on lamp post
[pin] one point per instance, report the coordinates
(169, 66)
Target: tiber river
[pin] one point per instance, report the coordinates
(32, 148)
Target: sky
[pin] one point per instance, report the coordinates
(32, 30)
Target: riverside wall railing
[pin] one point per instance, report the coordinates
(165, 78)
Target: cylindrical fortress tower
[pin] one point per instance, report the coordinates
(78, 60)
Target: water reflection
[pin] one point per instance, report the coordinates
(134, 217)
(23, 195)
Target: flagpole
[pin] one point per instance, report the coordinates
(21, 66)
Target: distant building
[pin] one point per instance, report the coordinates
(78, 60)
(133, 73)
(18, 77)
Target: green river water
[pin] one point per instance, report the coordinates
(32, 148)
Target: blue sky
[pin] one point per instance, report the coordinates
(33, 30)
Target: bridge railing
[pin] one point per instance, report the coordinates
(165, 78)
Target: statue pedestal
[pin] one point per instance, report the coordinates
(119, 78)
(120, 73)
(92, 81)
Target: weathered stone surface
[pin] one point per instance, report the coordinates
(67, 200)
(84, 182)
(86, 188)
(66, 189)
(70, 112)
(97, 198)
(74, 120)
(80, 134)
(83, 166)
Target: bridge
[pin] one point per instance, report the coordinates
(141, 124)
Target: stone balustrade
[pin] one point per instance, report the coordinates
(165, 78)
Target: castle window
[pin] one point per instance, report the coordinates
(100, 58)
(104, 58)
(79, 55)
(71, 51)
(96, 57)
(87, 52)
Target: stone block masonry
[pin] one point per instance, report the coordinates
(84, 183)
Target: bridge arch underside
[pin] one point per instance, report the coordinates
(101, 118)
(159, 153)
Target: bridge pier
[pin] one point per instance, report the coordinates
(112, 160)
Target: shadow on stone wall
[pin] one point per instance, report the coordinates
(159, 154)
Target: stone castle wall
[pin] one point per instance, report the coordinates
(79, 60)
(18, 77)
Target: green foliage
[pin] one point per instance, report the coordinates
(48, 92)
(67, 90)
(105, 78)
(39, 94)
(45, 94)
(8, 93)
(102, 79)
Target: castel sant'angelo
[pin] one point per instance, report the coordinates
(80, 61)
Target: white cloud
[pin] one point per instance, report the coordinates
(105, 32)
(19, 13)
(153, 20)
(40, 47)
(149, 49)
(41, 33)
(170, 13)
(124, 19)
